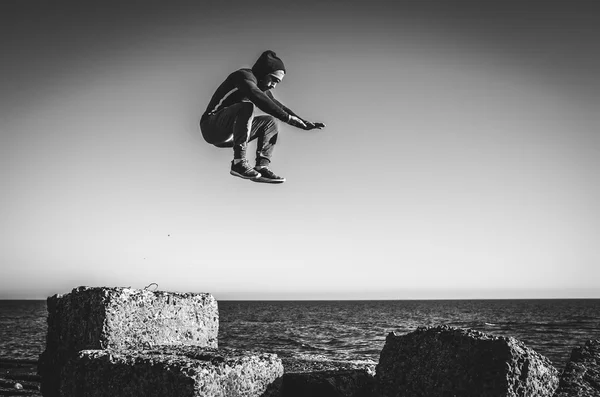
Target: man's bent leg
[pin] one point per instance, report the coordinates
(231, 127)
(242, 128)
(241, 136)
(264, 129)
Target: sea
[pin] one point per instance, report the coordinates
(350, 330)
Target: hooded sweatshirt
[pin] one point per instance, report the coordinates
(241, 86)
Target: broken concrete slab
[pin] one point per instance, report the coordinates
(175, 371)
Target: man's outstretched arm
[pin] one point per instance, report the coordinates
(266, 103)
(309, 125)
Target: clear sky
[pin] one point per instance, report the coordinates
(460, 159)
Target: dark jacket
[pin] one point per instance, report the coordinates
(241, 86)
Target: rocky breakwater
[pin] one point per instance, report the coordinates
(122, 342)
(581, 377)
(446, 361)
(148, 335)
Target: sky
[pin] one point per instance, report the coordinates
(460, 158)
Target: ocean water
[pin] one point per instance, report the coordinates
(351, 330)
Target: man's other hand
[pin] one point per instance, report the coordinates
(312, 126)
(296, 122)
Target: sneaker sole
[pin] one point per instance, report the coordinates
(234, 173)
(267, 180)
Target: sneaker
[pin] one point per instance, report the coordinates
(267, 176)
(243, 170)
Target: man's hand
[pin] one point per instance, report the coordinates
(312, 126)
(296, 122)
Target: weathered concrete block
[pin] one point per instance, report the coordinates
(172, 371)
(122, 318)
(581, 377)
(303, 378)
(446, 361)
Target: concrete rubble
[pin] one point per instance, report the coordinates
(175, 371)
(122, 318)
(581, 377)
(123, 342)
(447, 361)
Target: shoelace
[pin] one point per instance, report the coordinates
(245, 165)
(265, 171)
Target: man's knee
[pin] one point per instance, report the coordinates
(271, 121)
(267, 122)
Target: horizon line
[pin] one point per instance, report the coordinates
(362, 300)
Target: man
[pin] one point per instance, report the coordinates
(229, 119)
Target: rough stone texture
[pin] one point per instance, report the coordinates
(103, 318)
(581, 376)
(303, 378)
(122, 318)
(170, 371)
(446, 361)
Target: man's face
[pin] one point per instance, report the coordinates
(268, 83)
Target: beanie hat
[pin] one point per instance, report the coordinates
(278, 74)
(267, 63)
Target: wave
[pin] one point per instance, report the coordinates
(323, 358)
(291, 342)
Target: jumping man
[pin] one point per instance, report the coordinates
(229, 119)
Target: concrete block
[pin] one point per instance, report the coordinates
(122, 318)
(173, 371)
(446, 361)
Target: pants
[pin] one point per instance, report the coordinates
(236, 125)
